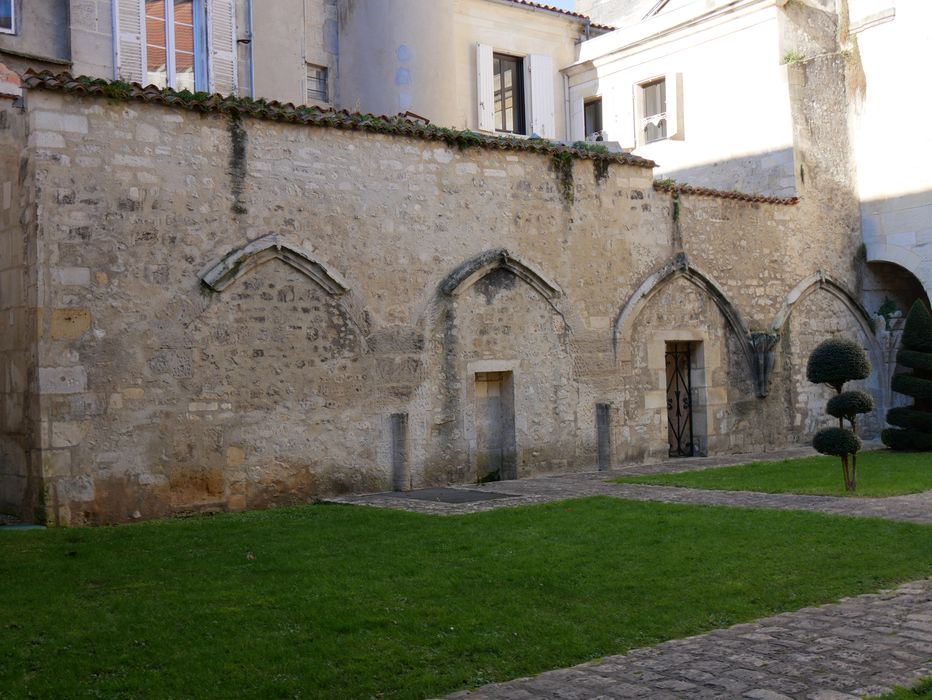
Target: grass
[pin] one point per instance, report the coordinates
(352, 602)
(880, 473)
(921, 691)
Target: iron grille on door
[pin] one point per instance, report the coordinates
(679, 404)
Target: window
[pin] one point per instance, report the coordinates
(593, 118)
(316, 83)
(515, 94)
(654, 111)
(175, 44)
(508, 74)
(7, 25)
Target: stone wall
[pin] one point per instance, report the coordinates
(18, 476)
(238, 313)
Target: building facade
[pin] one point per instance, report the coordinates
(233, 303)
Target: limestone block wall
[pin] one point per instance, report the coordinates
(238, 313)
(18, 474)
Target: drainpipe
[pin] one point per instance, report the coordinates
(567, 127)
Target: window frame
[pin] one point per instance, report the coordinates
(519, 95)
(201, 54)
(12, 29)
(644, 119)
(587, 104)
(321, 71)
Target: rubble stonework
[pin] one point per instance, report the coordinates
(225, 312)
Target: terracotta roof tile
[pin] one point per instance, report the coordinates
(673, 187)
(569, 13)
(313, 116)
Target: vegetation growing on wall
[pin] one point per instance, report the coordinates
(315, 116)
(913, 431)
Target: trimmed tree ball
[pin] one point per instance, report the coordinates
(848, 404)
(836, 441)
(836, 361)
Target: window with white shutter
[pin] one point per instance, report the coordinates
(540, 80)
(486, 88)
(222, 39)
(129, 41)
(182, 44)
(515, 93)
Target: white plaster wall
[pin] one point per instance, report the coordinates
(736, 126)
(420, 55)
(91, 37)
(891, 130)
(516, 31)
(287, 35)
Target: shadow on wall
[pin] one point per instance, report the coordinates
(771, 173)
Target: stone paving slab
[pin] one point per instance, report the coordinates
(915, 508)
(842, 651)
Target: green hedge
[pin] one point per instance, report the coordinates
(915, 359)
(906, 440)
(903, 417)
(917, 333)
(911, 385)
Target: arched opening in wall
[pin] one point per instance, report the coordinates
(501, 377)
(889, 290)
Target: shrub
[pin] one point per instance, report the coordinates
(849, 404)
(840, 442)
(834, 362)
(913, 431)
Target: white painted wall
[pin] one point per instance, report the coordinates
(735, 111)
(892, 139)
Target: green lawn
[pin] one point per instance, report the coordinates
(880, 473)
(921, 691)
(353, 602)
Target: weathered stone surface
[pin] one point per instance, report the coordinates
(360, 275)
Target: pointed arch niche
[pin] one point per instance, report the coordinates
(242, 261)
(470, 272)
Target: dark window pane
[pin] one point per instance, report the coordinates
(593, 117)
(508, 83)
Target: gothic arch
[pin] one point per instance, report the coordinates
(681, 267)
(471, 271)
(819, 280)
(242, 261)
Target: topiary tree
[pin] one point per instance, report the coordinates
(914, 423)
(834, 362)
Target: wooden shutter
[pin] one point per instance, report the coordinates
(674, 87)
(221, 46)
(540, 81)
(485, 82)
(129, 41)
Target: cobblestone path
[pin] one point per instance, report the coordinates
(859, 646)
(915, 508)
